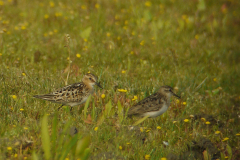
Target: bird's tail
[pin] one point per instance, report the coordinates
(48, 97)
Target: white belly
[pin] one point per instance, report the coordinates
(72, 104)
(157, 113)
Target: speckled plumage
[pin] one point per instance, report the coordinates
(74, 94)
(153, 105)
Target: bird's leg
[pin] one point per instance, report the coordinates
(71, 110)
(60, 107)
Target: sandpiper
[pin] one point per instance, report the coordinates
(153, 105)
(74, 94)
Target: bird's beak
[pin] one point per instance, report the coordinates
(98, 84)
(176, 95)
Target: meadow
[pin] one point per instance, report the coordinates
(134, 47)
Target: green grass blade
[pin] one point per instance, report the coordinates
(67, 148)
(34, 156)
(82, 145)
(120, 112)
(45, 138)
(86, 107)
(140, 120)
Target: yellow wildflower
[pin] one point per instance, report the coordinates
(25, 128)
(21, 109)
(148, 4)
(174, 122)
(128, 143)
(134, 98)
(158, 127)
(78, 55)
(108, 34)
(148, 130)
(97, 6)
(238, 134)
(85, 40)
(225, 139)
(217, 132)
(83, 7)
(125, 27)
(184, 16)
(131, 52)
(52, 4)
(1, 3)
(123, 71)
(0, 54)
(88, 72)
(226, 157)
(25, 158)
(203, 119)
(120, 147)
(122, 90)
(46, 16)
(14, 96)
(186, 120)
(184, 103)
(141, 129)
(214, 79)
(177, 101)
(24, 74)
(55, 30)
(207, 122)
(50, 33)
(142, 43)
(96, 128)
(15, 155)
(23, 27)
(147, 156)
(196, 36)
(163, 158)
(103, 96)
(9, 148)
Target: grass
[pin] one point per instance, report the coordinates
(133, 45)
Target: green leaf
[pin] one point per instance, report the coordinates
(229, 150)
(160, 24)
(215, 91)
(205, 155)
(67, 147)
(45, 138)
(86, 107)
(34, 156)
(108, 108)
(86, 154)
(82, 145)
(86, 33)
(140, 120)
(93, 111)
(147, 15)
(201, 5)
(54, 132)
(120, 112)
(222, 156)
(61, 139)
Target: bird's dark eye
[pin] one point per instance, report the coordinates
(90, 78)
